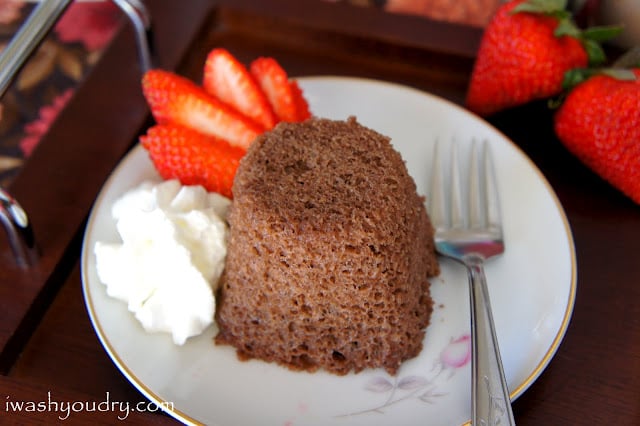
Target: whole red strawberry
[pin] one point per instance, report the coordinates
(193, 158)
(599, 122)
(524, 53)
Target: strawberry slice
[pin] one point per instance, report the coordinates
(284, 96)
(229, 80)
(302, 106)
(175, 99)
(193, 158)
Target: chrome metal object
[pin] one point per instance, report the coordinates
(141, 21)
(18, 229)
(471, 233)
(14, 56)
(13, 217)
(28, 37)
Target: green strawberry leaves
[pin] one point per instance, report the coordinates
(620, 70)
(602, 33)
(589, 37)
(594, 52)
(548, 7)
(576, 76)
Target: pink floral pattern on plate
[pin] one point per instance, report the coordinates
(425, 388)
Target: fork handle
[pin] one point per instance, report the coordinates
(490, 396)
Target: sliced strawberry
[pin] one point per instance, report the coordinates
(175, 99)
(193, 158)
(228, 79)
(302, 107)
(284, 96)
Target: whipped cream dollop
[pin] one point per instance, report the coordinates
(167, 267)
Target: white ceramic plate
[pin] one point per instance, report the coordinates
(532, 288)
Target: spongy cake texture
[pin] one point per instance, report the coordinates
(329, 253)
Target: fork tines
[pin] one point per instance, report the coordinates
(479, 207)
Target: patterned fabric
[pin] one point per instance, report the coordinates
(50, 77)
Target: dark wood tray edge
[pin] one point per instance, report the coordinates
(58, 184)
(346, 19)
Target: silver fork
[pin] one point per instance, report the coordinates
(471, 239)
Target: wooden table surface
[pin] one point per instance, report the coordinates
(48, 348)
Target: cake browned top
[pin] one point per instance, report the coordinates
(355, 179)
